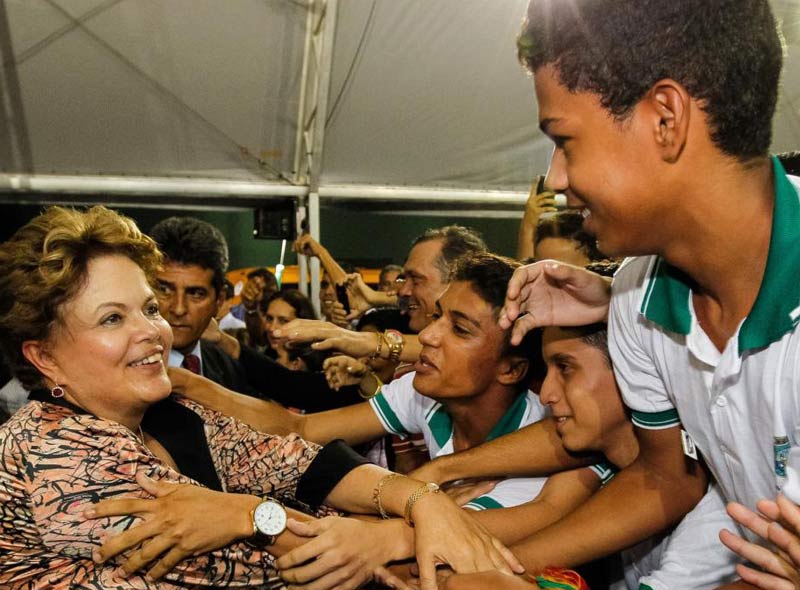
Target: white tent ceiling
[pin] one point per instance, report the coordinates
(423, 93)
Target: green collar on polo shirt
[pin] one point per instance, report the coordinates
(777, 307)
(441, 424)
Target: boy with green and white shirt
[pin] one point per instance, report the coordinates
(740, 405)
(403, 411)
(662, 143)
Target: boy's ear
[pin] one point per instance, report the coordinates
(670, 104)
(513, 370)
(36, 352)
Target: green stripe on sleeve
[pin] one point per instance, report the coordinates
(656, 420)
(387, 415)
(644, 587)
(483, 503)
(604, 471)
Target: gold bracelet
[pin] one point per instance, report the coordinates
(377, 352)
(376, 493)
(377, 389)
(428, 488)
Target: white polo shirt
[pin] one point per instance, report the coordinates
(403, 410)
(690, 556)
(741, 406)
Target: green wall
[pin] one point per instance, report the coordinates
(363, 238)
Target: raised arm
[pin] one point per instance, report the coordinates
(251, 295)
(535, 450)
(308, 246)
(538, 203)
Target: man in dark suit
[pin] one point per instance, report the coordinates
(189, 288)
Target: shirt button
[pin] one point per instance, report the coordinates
(721, 402)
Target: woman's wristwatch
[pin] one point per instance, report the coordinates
(269, 521)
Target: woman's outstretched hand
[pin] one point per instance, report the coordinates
(172, 528)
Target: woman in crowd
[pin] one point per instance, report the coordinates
(81, 327)
(282, 308)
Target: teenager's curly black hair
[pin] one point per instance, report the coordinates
(727, 54)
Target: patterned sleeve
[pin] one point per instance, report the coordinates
(53, 466)
(251, 462)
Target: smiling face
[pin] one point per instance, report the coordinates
(279, 313)
(461, 347)
(423, 282)
(580, 390)
(188, 301)
(110, 354)
(609, 169)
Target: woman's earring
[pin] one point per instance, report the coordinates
(57, 391)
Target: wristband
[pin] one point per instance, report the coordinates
(428, 488)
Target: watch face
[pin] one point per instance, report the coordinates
(393, 336)
(270, 518)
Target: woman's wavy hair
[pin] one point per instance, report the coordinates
(44, 265)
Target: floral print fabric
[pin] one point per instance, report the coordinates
(55, 463)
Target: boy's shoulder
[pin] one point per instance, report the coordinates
(632, 277)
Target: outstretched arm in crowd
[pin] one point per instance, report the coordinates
(562, 494)
(443, 533)
(326, 336)
(354, 424)
(653, 493)
(535, 450)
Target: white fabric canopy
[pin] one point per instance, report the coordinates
(423, 93)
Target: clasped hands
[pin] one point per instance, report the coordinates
(341, 553)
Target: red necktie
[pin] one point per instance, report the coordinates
(192, 362)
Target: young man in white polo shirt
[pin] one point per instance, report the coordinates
(468, 386)
(661, 117)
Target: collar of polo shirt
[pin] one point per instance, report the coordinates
(441, 424)
(777, 307)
